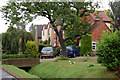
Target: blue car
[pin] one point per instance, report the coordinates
(71, 51)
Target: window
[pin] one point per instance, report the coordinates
(93, 46)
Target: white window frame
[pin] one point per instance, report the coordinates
(93, 45)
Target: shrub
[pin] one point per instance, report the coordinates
(58, 51)
(12, 56)
(86, 45)
(31, 49)
(109, 49)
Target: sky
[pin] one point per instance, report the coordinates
(42, 20)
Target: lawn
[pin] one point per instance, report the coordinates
(18, 72)
(63, 69)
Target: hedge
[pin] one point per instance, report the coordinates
(86, 45)
(12, 56)
(108, 50)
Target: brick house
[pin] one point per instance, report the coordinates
(38, 33)
(100, 25)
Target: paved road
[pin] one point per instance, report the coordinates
(47, 59)
(52, 59)
(5, 76)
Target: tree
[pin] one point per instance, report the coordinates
(10, 40)
(64, 14)
(109, 15)
(32, 30)
(115, 13)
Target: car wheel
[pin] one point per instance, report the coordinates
(74, 55)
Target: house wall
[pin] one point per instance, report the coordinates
(98, 31)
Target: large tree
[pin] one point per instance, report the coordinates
(64, 14)
(115, 13)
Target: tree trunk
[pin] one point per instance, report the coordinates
(62, 43)
(63, 46)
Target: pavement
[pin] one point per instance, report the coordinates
(52, 59)
(6, 76)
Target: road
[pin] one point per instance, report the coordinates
(52, 59)
(5, 76)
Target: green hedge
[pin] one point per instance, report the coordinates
(108, 50)
(12, 56)
(86, 45)
(58, 51)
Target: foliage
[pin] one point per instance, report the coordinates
(32, 30)
(56, 69)
(57, 51)
(45, 42)
(10, 40)
(86, 45)
(22, 45)
(12, 56)
(77, 47)
(115, 15)
(58, 13)
(109, 49)
(109, 15)
(69, 42)
(31, 49)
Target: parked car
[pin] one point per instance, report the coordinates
(47, 52)
(71, 51)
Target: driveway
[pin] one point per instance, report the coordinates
(48, 59)
(52, 59)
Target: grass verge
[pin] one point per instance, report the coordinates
(72, 68)
(18, 72)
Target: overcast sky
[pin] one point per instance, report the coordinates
(41, 20)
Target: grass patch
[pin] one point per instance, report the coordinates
(72, 68)
(18, 72)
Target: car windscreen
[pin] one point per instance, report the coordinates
(69, 47)
(47, 49)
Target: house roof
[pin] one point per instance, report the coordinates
(39, 29)
(101, 14)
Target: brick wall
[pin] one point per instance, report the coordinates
(98, 30)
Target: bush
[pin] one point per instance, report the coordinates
(86, 45)
(31, 49)
(58, 51)
(12, 56)
(109, 49)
